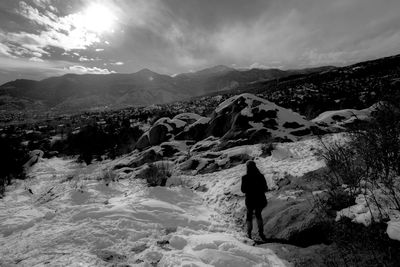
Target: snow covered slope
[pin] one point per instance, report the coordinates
(340, 118)
(67, 214)
(72, 218)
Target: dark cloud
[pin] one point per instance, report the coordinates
(172, 36)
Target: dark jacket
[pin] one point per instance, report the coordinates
(254, 188)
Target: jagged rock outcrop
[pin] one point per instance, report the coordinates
(250, 119)
(148, 156)
(34, 157)
(340, 119)
(239, 120)
(256, 119)
(195, 131)
(189, 118)
(209, 162)
(293, 220)
(162, 130)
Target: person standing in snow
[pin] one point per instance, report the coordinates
(254, 187)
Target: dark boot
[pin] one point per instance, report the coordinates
(249, 225)
(260, 225)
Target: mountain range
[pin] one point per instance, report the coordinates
(73, 92)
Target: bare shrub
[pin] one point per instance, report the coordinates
(369, 162)
(378, 145)
(344, 179)
(346, 167)
(157, 173)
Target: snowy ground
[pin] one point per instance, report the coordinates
(64, 216)
(67, 214)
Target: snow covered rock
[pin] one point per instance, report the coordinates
(34, 157)
(208, 144)
(344, 117)
(218, 249)
(365, 210)
(209, 162)
(158, 134)
(242, 119)
(292, 219)
(248, 116)
(189, 118)
(194, 131)
(173, 148)
(162, 130)
(393, 230)
(143, 141)
(148, 156)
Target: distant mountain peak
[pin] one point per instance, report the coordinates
(146, 71)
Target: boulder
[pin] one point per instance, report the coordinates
(249, 117)
(195, 131)
(261, 135)
(174, 125)
(293, 220)
(190, 164)
(147, 156)
(226, 144)
(393, 230)
(143, 142)
(34, 156)
(207, 144)
(174, 148)
(236, 159)
(210, 162)
(162, 130)
(338, 119)
(158, 134)
(189, 118)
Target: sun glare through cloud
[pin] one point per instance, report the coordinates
(98, 18)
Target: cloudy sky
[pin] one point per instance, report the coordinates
(41, 38)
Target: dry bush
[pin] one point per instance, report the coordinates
(157, 174)
(371, 157)
(343, 181)
(378, 145)
(367, 164)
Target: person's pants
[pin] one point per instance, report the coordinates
(260, 223)
(257, 212)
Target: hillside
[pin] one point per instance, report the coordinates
(73, 92)
(356, 86)
(308, 91)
